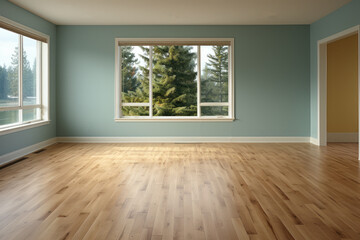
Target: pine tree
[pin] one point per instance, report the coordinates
(13, 74)
(28, 74)
(29, 78)
(140, 81)
(3, 83)
(174, 85)
(215, 87)
(128, 69)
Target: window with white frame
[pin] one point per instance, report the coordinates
(23, 76)
(174, 79)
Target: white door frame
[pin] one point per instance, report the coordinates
(322, 79)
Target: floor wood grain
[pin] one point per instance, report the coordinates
(183, 191)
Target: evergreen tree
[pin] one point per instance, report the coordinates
(29, 78)
(3, 83)
(174, 81)
(140, 93)
(13, 74)
(214, 87)
(174, 85)
(128, 69)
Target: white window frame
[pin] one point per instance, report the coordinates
(199, 41)
(43, 59)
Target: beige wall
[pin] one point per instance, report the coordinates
(342, 85)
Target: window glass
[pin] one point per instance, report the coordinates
(214, 111)
(214, 73)
(9, 117)
(135, 111)
(174, 81)
(9, 68)
(135, 73)
(29, 71)
(165, 80)
(31, 114)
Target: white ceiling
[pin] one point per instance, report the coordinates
(180, 12)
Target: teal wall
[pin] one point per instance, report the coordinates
(272, 90)
(15, 141)
(346, 17)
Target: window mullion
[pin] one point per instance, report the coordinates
(119, 67)
(20, 73)
(199, 81)
(150, 82)
(230, 87)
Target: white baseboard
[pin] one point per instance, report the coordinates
(184, 139)
(343, 137)
(9, 157)
(314, 141)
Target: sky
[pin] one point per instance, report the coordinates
(9, 41)
(204, 52)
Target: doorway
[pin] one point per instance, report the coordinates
(348, 132)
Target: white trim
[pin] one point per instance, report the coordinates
(174, 119)
(201, 41)
(9, 157)
(343, 137)
(18, 107)
(184, 139)
(44, 85)
(322, 80)
(198, 77)
(337, 36)
(214, 104)
(133, 104)
(150, 81)
(23, 126)
(314, 141)
(25, 28)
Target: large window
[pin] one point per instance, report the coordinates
(23, 76)
(174, 79)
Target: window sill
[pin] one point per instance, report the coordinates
(16, 128)
(166, 119)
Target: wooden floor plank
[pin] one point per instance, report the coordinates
(183, 191)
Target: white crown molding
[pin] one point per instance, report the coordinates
(9, 157)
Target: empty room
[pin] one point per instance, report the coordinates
(187, 120)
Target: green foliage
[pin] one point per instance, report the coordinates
(9, 78)
(174, 81)
(214, 81)
(13, 74)
(3, 82)
(174, 85)
(128, 69)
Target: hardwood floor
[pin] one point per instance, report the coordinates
(183, 191)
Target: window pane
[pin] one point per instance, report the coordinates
(214, 73)
(135, 73)
(135, 111)
(29, 71)
(9, 68)
(174, 81)
(9, 117)
(214, 111)
(31, 114)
